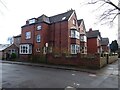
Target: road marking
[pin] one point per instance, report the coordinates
(115, 73)
(73, 74)
(92, 75)
(76, 84)
(70, 88)
(110, 68)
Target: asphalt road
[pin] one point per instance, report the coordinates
(22, 76)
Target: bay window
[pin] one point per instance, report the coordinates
(83, 38)
(75, 34)
(25, 49)
(75, 49)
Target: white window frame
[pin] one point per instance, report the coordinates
(75, 34)
(75, 49)
(31, 21)
(39, 27)
(25, 49)
(74, 22)
(27, 35)
(12, 51)
(38, 38)
(83, 38)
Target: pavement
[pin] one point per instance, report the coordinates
(53, 66)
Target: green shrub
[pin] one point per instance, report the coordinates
(13, 56)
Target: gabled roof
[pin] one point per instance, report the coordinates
(93, 34)
(44, 18)
(105, 41)
(61, 17)
(79, 22)
(4, 46)
(53, 19)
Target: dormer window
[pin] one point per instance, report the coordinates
(31, 21)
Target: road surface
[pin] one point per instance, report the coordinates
(22, 76)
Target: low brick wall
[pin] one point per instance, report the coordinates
(112, 59)
(25, 57)
(103, 61)
(78, 60)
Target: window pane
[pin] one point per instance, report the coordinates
(28, 35)
(25, 49)
(38, 38)
(39, 27)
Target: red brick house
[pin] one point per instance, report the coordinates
(83, 37)
(94, 41)
(61, 34)
(104, 44)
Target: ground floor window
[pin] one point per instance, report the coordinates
(75, 49)
(12, 51)
(25, 49)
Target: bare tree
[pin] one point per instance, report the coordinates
(4, 5)
(10, 40)
(110, 14)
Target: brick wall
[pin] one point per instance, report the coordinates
(76, 60)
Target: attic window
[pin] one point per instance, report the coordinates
(31, 21)
(74, 22)
(63, 18)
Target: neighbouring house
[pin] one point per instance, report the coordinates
(105, 45)
(58, 34)
(2, 48)
(7, 50)
(17, 40)
(83, 37)
(94, 41)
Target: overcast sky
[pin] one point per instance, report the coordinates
(18, 11)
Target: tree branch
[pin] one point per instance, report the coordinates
(111, 3)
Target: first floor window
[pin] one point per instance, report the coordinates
(28, 35)
(83, 38)
(38, 39)
(75, 34)
(26, 49)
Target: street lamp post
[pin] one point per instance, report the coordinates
(46, 45)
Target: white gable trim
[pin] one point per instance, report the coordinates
(71, 16)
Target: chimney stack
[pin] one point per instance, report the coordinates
(90, 29)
